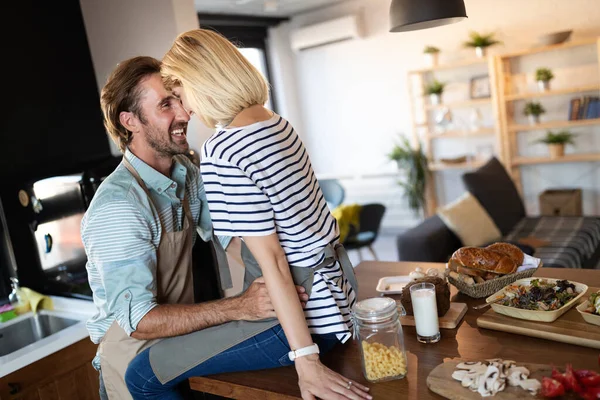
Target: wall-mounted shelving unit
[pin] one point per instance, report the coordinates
(507, 110)
(423, 132)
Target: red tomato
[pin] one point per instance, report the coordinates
(557, 376)
(590, 381)
(583, 373)
(571, 381)
(592, 393)
(552, 387)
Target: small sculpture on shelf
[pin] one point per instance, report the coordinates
(435, 89)
(534, 110)
(481, 42)
(543, 76)
(431, 55)
(556, 142)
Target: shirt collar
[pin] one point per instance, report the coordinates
(151, 177)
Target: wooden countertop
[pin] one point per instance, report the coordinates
(467, 341)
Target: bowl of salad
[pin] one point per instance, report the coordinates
(590, 309)
(537, 299)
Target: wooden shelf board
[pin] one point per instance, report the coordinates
(555, 124)
(565, 159)
(458, 104)
(459, 134)
(520, 96)
(439, 166)
(457, 64)
(541, 49)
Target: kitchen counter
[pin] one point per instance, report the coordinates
(79, 310)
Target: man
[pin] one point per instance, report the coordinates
(139, 230)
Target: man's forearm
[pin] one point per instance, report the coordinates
(168, 320)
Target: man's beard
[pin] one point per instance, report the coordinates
(163, 143)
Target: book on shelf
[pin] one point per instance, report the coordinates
(587, 107)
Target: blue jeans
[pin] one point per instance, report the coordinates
(265, 350)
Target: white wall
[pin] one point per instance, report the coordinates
(353, 101)
(118, 30)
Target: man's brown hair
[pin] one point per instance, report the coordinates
(122, 92)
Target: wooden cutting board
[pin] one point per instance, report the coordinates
(569, 328)
(440, 381)
(449, 321)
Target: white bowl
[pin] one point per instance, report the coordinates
(554, 38)
(534, 315)
(588, 317)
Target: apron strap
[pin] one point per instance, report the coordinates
(338, 253)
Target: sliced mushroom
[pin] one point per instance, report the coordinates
(459, 375)
(489, 381)
(531, 385)
(516, 375)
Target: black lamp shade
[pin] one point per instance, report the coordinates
(412, 15)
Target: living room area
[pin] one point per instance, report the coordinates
(470, 133)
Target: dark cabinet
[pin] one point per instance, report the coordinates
(65, 375)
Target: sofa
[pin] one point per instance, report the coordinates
(570, 242)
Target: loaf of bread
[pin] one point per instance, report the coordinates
(442, 294)
(509, 250)
(482, 261)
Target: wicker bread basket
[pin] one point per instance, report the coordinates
(490, 287)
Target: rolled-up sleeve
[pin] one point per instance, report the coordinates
(118, 243)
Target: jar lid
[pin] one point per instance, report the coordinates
(375, 309)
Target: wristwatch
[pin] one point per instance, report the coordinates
(305, 351)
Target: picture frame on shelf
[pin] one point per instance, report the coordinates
(480, 87)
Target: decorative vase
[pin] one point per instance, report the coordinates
(435, 99)
(534, 119)
(480, 51)
(431, 59)
(543, 85)
(557, 150)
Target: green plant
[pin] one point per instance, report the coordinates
(532, 108)
(481, 40)
(435, 87)
(561, 137)
(543, 74)
(413, 163)
(431, 50)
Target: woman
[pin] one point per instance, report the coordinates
(260, 186)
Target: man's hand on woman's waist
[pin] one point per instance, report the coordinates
(167, 320)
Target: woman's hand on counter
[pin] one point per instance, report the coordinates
(318, 381)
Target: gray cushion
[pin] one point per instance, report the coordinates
(494, 189)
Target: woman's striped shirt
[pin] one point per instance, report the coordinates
(259, 181)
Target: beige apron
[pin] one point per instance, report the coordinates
(174, 286)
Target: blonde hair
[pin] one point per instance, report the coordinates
(219, 82)
(122, 92)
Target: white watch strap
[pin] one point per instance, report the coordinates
(305, 351)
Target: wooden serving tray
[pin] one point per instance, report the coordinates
(570, 328)
(449, 321)
(440, 381)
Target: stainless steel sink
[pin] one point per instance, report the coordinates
(17, 335)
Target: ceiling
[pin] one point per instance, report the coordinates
(263, 8)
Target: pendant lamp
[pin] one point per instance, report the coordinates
(412, 15)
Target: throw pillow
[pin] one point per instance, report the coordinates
(469, 221)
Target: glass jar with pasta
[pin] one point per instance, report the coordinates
(378, 330)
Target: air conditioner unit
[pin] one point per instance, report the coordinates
(324, 33)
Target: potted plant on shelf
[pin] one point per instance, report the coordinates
(431, 55)
(533, 110)
(543, 76)
(413, 163)
(435, 89)
(556, 142)
(481, 42)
